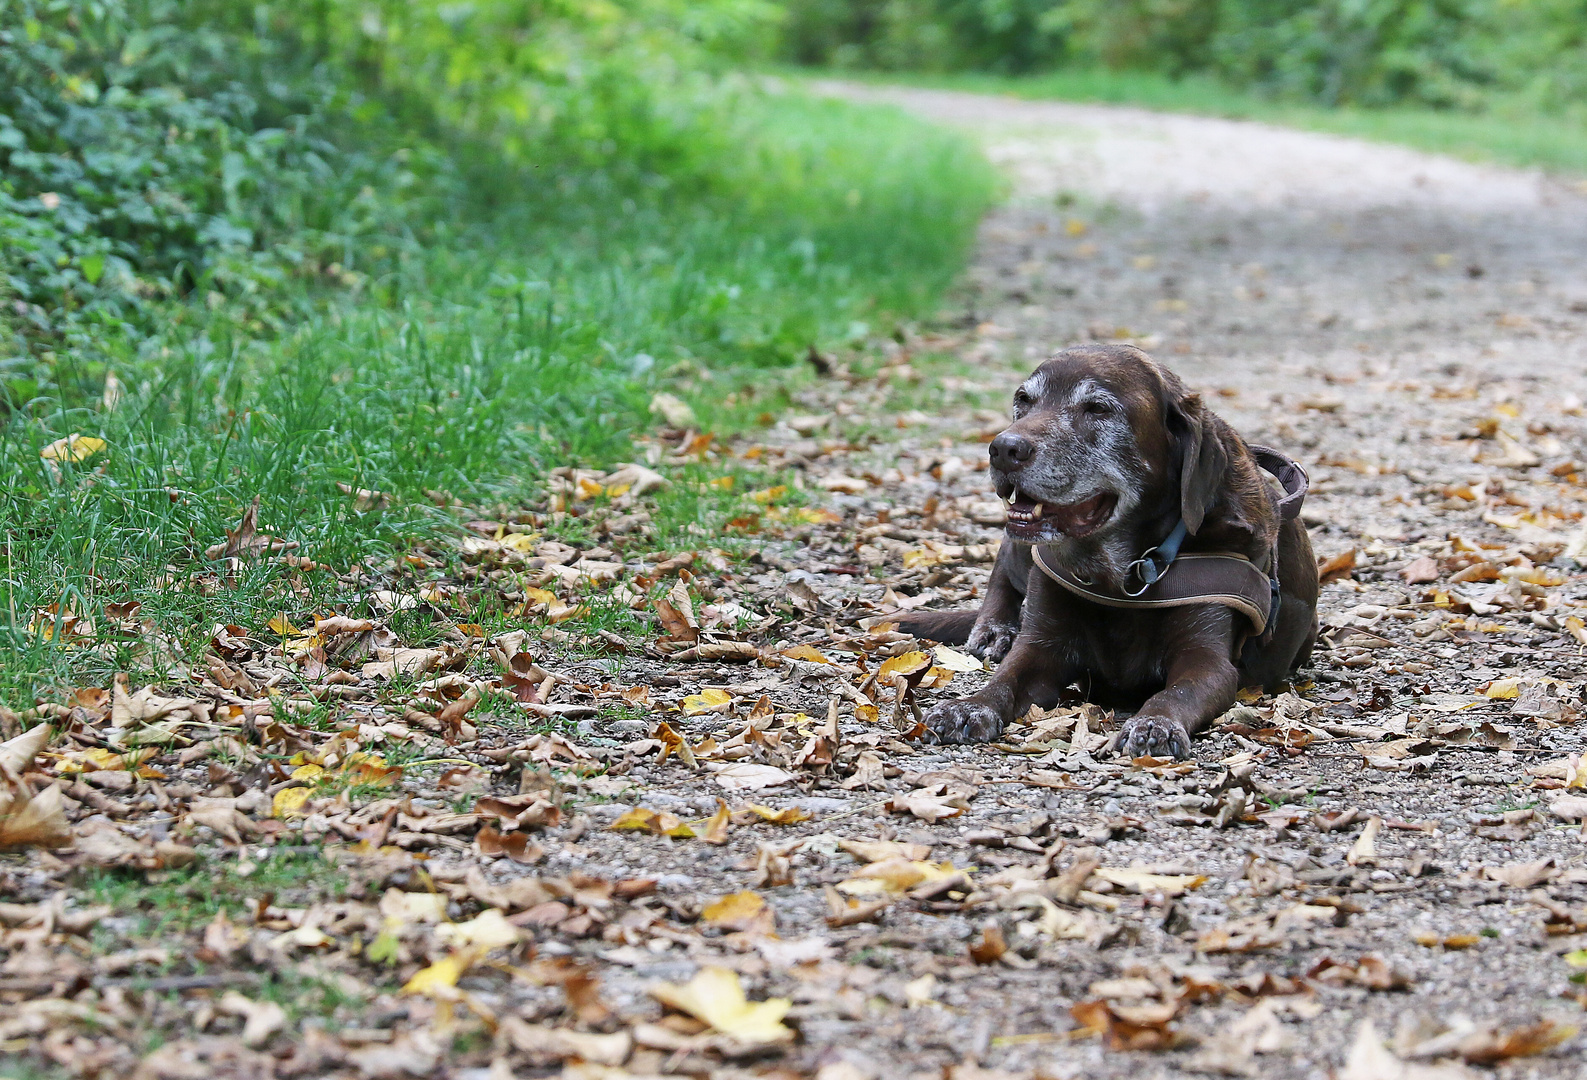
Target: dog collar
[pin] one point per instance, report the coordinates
(1169, 579)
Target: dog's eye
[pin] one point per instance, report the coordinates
(1096, 408)
(1021, 397)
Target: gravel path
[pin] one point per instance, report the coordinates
(1411, 327)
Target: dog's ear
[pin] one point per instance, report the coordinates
(1204, 462)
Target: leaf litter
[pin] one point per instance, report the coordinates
(670, 815)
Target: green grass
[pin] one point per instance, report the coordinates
(1509, 132)
(180, 900)
(526, 337)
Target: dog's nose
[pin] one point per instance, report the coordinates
(1010, 450)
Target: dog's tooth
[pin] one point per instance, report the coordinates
(1036, 512)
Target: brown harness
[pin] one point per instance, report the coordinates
(1210, 577)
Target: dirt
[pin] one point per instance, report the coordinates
(1376, 844)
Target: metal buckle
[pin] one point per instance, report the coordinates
(1136, 569)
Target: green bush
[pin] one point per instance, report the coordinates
(1440, 53)
(416, 248)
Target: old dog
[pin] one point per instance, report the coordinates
(1149, 560)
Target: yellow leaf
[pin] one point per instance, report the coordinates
(308, 772)
(636, 820)
(806, 652)
(587, 489)
(893, 876)
(920, 558)
(1503, 689)
(723, 482)
(734, 908)
(716, 997)
(289, 803)
(707, 701)
(771, 494)
(905, 664)
(640, 819)
(98, 758)
(522, 542)
(441, 976)
(867, 714)
(672, 826)
(280, 625)
(716, 828)
(72, 448)
(790, 816)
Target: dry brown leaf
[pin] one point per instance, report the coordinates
(1337, 567)
(1491, 1046)
(1365, 849)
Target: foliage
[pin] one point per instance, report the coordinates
(355, 284)
(1443, 53)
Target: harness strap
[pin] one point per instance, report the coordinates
(1168, 579)
(1289, 473)
(1217, 577)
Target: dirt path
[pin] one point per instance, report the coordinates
(1411, 327)
(1377, 845)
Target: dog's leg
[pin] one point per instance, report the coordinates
(1202, 682)
(1038, 667)
(998, 623)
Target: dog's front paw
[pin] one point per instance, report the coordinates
(1154, 736)
(991, 640)
(963, 721)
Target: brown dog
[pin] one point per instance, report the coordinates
(1107, 454)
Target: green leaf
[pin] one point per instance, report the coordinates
(92, 266)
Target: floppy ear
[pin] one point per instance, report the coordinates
(1205, 463)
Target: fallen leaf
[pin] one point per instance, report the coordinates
(991, 947)
(716, 997)
(806, 652)
(72, 448)
(895, 876)
(1491, 1046)
(1365, 849)
(790, 815)
(440, 977)
(659, 823)
(716, 827)
(750, 776)
(1337, 567)
(744, 910)
(1369, 1059)
(907, 667)
(1142, 882)
(262, 1019)
(707, 701)
(486, 931)
(953, 660)
(289, 802)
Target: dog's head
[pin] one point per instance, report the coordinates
(1103, 443)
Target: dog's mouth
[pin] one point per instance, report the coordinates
(1028, 518)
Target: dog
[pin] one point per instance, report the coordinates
(1108, 459)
